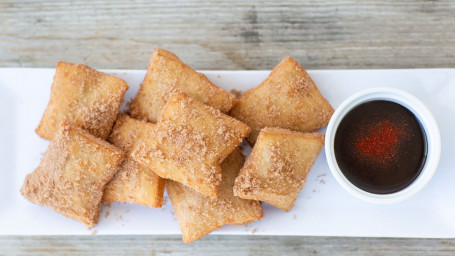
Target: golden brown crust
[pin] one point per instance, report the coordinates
(199, 215)
(288, 98)
(73, 173)
(133, 183)
(189, 143)
(278, 165)
(136, 184)
(88, 98)
(166, 73)
(127, 131)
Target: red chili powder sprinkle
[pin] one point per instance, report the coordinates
(380, 142)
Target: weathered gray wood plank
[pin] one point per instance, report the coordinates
(223, 245)
(227, 35)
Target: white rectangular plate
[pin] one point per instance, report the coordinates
(323, 207)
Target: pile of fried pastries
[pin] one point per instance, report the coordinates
(181, 132)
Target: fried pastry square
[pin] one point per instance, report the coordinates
(277, 167)
(72, 174)
(166, 73)
(199, 215)
(133, 183)
(288, 98)
(189, 143)
(88, 98)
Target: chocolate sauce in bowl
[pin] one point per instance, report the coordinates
(380, 146)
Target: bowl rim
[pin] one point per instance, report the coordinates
(425, 118)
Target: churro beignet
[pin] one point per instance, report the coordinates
(189, 143)
(83, 96)
(278, 165)
(288, 98)
(133, 183)
(166, 73)
(73, 174)
(199, 215)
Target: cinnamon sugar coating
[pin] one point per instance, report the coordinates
(133, 183)
(72, 174)
(277, 167)
(288, 98)
(166, 73)
(199, 215)
(189, 143)
(88, 98)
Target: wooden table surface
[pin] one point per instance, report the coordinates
(342, 34)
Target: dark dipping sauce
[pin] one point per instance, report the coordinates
(380, 147)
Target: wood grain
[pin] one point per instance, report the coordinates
(229, 34)
(223, 245)
(341, 34)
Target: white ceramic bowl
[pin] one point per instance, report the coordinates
(423, 115)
